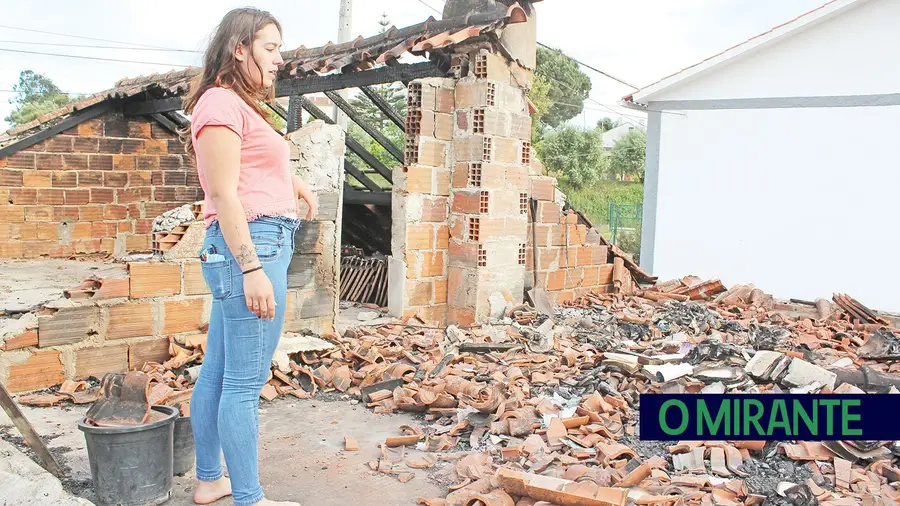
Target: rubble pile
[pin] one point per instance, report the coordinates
(543, 408)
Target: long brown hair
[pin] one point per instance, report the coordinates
(220, 68)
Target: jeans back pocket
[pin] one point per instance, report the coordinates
(216, 269)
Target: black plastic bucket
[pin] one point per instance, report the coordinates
(183, 449)
(132, 465)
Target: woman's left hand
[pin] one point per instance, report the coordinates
(313, 204)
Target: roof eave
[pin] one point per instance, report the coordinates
(805, 21)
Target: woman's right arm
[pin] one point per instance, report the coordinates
(221, 148)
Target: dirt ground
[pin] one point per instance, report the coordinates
(301, 454)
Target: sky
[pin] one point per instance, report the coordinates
(638, 41)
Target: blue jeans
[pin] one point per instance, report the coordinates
(239, 350)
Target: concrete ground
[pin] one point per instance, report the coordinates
(301, 454)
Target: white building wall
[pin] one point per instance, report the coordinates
(853, 53)
(801, 202)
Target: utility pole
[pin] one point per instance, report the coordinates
(345, 31)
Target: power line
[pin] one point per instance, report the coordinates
(614, 78)
(93, 47)
(82, 37)
(430, 7)
(92, 58)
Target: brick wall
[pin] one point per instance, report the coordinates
(95, 188)
(120, 322)
(313, 277)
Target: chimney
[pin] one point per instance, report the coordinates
(519, 38)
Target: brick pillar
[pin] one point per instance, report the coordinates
(489, 200)
(418, 267)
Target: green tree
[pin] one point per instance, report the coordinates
(575, 154)
(606, 124)
(569, 86)
(36, 94)
(627, 156)
(540, 98)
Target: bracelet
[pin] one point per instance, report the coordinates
(248, 271)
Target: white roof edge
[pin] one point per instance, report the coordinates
(804, 21)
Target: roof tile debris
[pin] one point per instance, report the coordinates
(359, 54)
(538, 407)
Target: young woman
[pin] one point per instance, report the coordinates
(251, 215)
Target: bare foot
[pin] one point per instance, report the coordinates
(208, 492)
(266, 502)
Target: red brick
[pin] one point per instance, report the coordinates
(115, 212)
(139, 178)
(90, 213)
(460, 316)
(432, 264)
(184, 194)
(26, 339)
(158, 131)
(420, 237)
(91, 128)
(584, 256)
(434, 209)
(466, 202)
(76, 162)
(194, 282)
(130, 320)
(548, 258)
(442, 237)
(11, 250)
(177, 147)
(12, 214)
(500, 228)
(127, 195)
(125, 227)
(463, 254)
(96, 362)
(140, 129)
(43, 369)
(133, 146)
(23, 196)
(65, 213)
(171, 162)
(143, 225)
(3, 163)
(85, 145)
(123, 162)
(11, 177)
(35, 179)
(440, 291)
(90, 178)
(100, 162)
(153, 350)
(418, 293)
(107, 245)
(142, 162)
(135, 210)
(193, 179)
(164, 194)
(138, 243)
(599, 255)
(82, 231)
(87, 247)
(154, 279)
(45, 161)
(38, 213)
(102, 229)
(175, 178)
(154, 209)
(52, 197)
(103, 195)
(78, 197)
(110, 146)
(183, 315)
(548, 212)
(64, 179)
(158, 178)
(156, 146)
(21, 160)
(47, 231)
(543, 188)
(591, 276)
(554, 280)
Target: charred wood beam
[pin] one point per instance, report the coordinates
(278, 110)
(167, 123)
(352, 144)
(361, 177)
(381, 75)
(294, 117)
(177, 118)
(152, 106)
(360, 197)
(369, 129)
(74, 119)
(384, 107)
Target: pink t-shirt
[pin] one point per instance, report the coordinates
(264, 187)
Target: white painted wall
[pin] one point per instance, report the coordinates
(853, 53)
(801, 202)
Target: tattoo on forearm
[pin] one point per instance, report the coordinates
(245, 255)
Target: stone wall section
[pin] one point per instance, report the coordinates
(95, 188)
